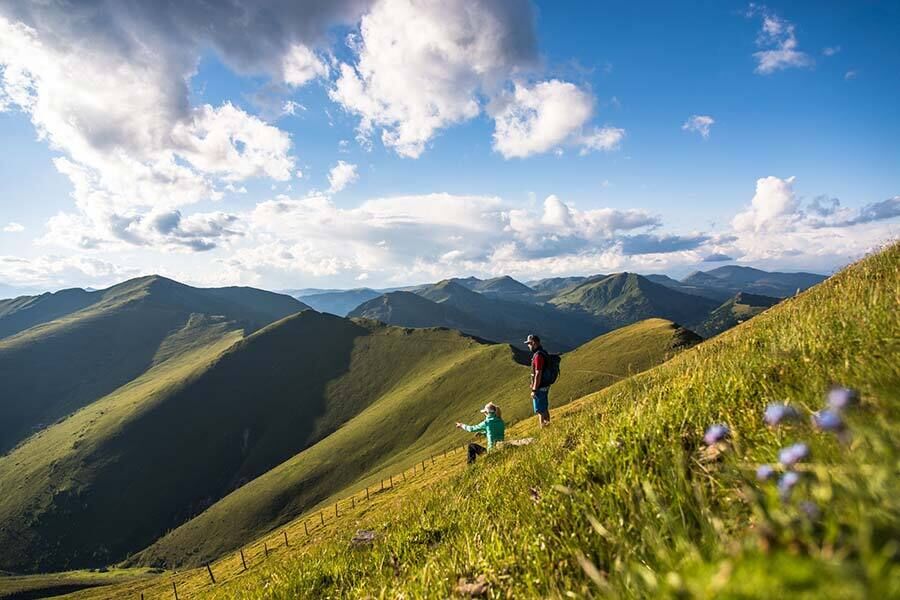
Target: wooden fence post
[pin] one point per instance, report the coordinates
(432, 459)
(335, 510)
(243, 561)
(367, 493)
(352, 501)
(382, 485)
(175, 589)
(285, 537)
(208, 568)
(404, 474)
(392, 481)
(321, 518)
(423, 465)
(266, 549)
(305, 528)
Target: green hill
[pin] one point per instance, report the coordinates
(406, 421)
(451, 304)
(623, 499)
(57, 366)
(18, 314)
(738, 309)
(735, 279)
(626, 298)
(339, 302)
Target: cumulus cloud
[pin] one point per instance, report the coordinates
(831, 50)
(534, 119)
(106, 85)
(655, 244)
(774, 206)
(52, 271)
(699, 124)
(778, 42)
(341, 175)
(13, 227)
(432, 235)
(420, 66)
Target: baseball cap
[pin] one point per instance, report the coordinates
(490, 407)
(532, 338)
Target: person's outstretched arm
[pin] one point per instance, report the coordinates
(473, 428)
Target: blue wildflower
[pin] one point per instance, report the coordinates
(787, 482)
(793, 454)
(777, 413)
(840, 398)
(810, 509)
(716, 433)
(765, 473)
(828, 420)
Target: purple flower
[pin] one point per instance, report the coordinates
(716, 433)
(787, 483)
(810, 509)
(777, 413)
(840, 398)
(765, 473)
(828, 420)
(793, 454)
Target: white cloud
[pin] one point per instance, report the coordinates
(534, 119)
(13, 227)
(602, 138)
(341, 175)
(301, 65)
(53, 271)
(851, 74)
(778, 41)
(700, 124)
(831, 50)
(421, 65)
(132, 144)
(537, 118)
(774, 206)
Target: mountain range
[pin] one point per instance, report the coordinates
(218, 414)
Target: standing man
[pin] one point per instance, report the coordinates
(540, 388)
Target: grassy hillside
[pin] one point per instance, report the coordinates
(510, 321)
(741, 307)
(622, 500)
(56, 367)
(406, 422)
(626, 298)
(168, 445)
(18, 314)
(735, 279)
(411, 310)
(339, 302)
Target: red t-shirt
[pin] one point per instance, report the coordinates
(537, 362)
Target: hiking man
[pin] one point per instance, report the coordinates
(540, 388)
(493, 428)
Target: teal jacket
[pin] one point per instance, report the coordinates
(492, 426)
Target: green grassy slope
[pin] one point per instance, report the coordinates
(734, 279)
(625, 298)
(58, 366)
(412, 310)
(510, 321)
(741, 307)
(18, 314)
(404, 424)
(187, 433)
(619, 501)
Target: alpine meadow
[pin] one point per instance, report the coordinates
(414, 299)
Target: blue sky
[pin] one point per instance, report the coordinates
(533, 139)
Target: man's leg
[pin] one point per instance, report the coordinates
(474, 451)
(541, 402)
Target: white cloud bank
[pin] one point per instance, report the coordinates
(13, 227)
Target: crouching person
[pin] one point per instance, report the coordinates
(493, 428)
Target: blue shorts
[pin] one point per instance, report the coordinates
(541, 400)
